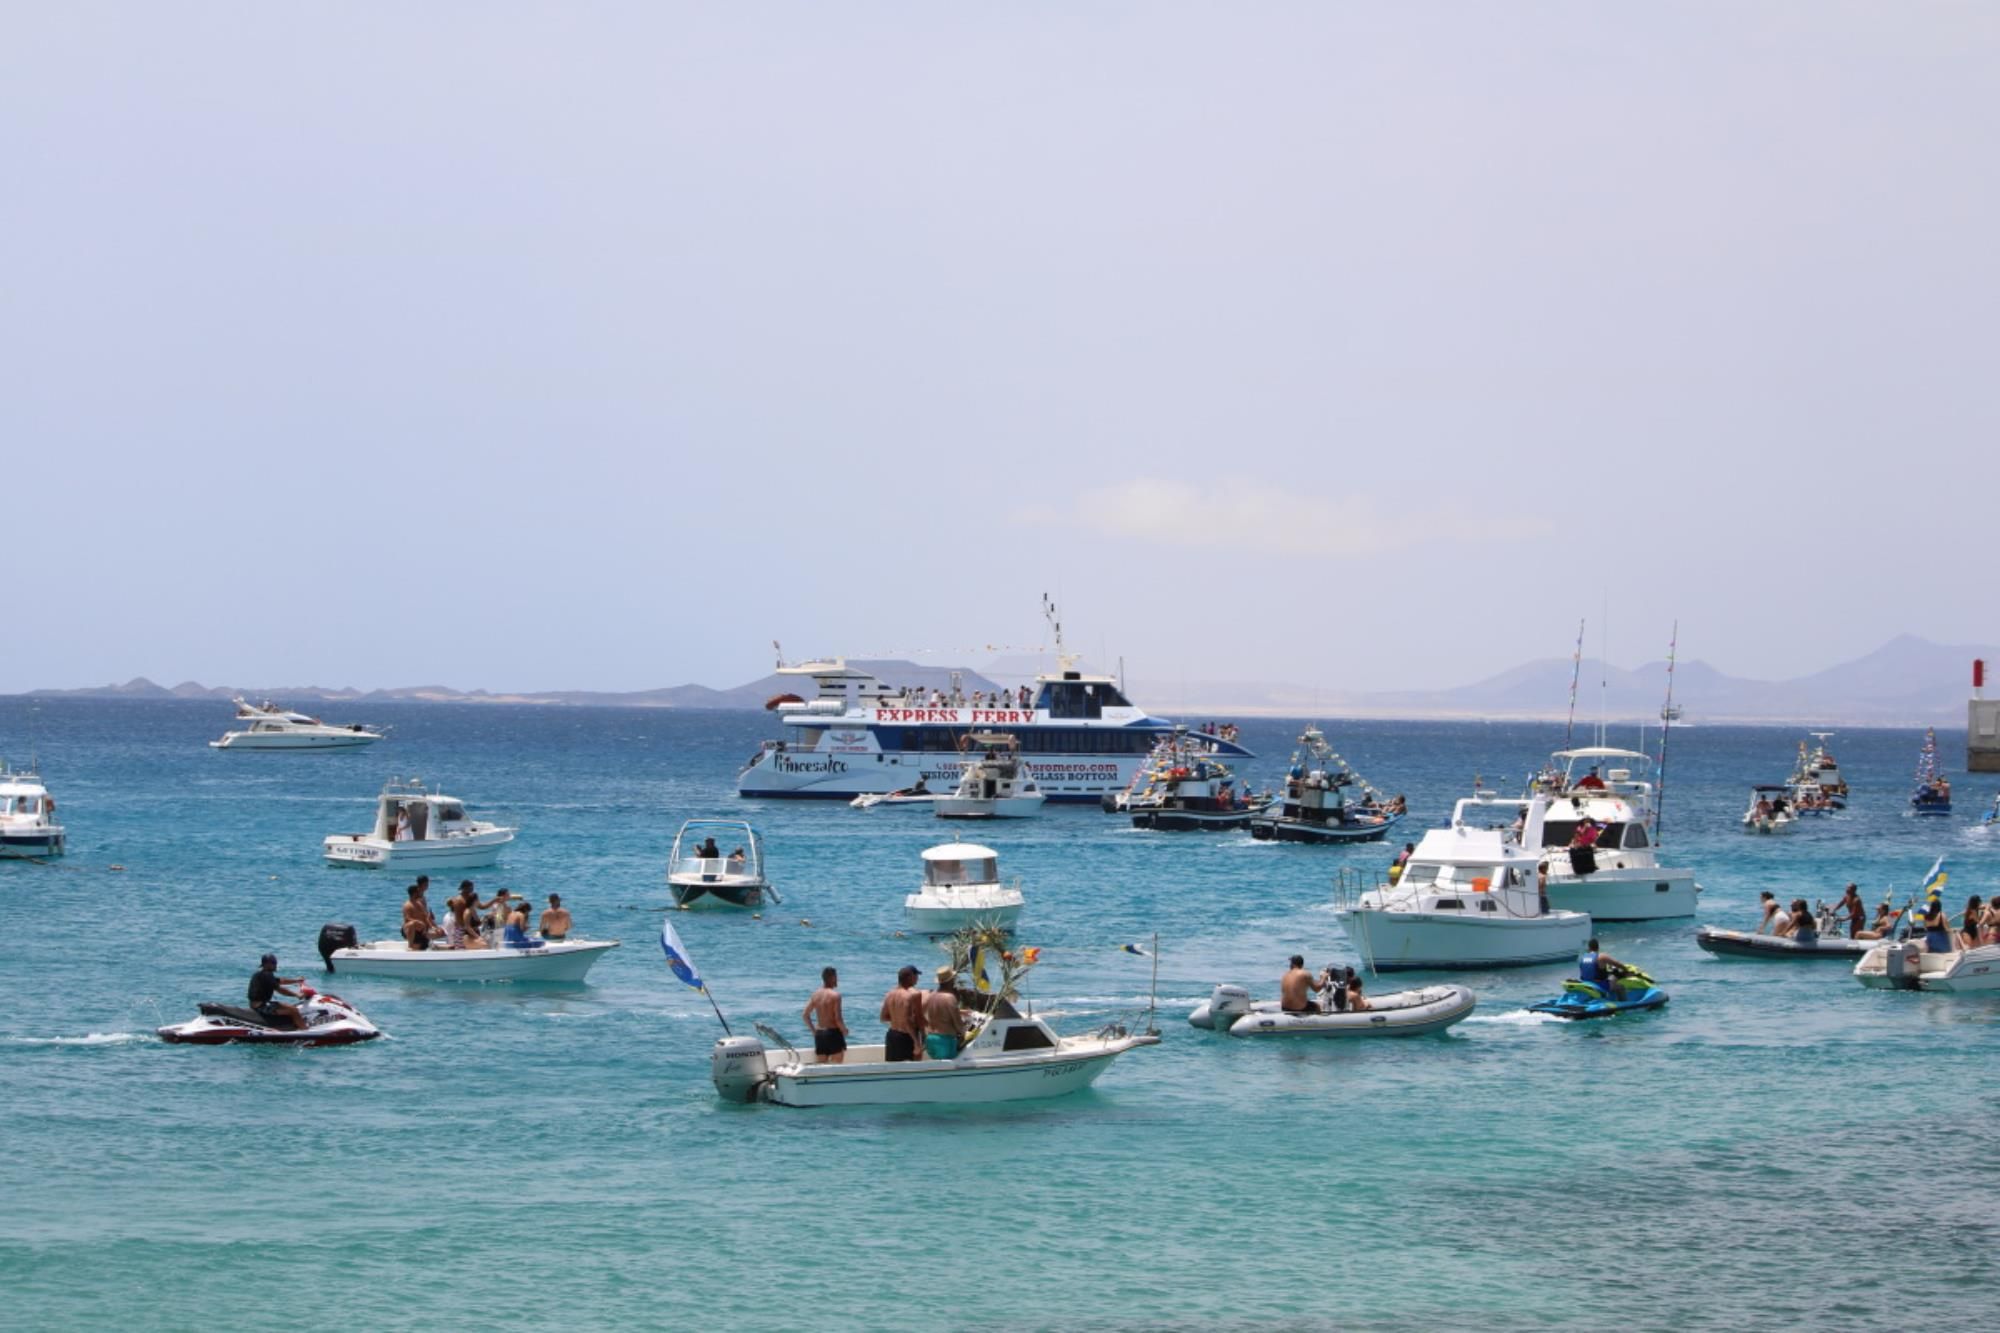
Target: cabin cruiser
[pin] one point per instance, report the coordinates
(1010, 1057)
(540, 960)
(1315, 807)
(997, 785)
(1601, 857)
(1933, 790)
(962, 888)
(1816, 773)
(701, 874)
(28, 825)
(851, 734)
(273, 728)
(1409, 1013)
(1770, 810)
(422, 830)
(1467, 898)
(1906, 965)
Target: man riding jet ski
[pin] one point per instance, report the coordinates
(1604, 986)
(317, 1020)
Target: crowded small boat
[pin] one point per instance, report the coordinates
(269, 727)
(28, 827)
(1332, 1005)
(1932, 795)
(700, 874)
(420, 828)
(1314, 807)
(1189, 789)
(1770, 810)
(1816, 778)
(1794, 931)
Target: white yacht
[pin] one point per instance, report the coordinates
(997, 785)
(1906, 965)
(701, 874)
(1618, 877)
(273, 728)
(420, 829)
(1081, 738)
(1467, 898)
(962, 888)
(28, 825)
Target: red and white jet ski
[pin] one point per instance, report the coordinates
(330, 1021)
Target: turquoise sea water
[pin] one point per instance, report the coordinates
(1753, 1156)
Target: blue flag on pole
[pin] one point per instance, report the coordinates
(676, 952)
(1934, 882)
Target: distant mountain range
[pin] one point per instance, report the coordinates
(1907, 681)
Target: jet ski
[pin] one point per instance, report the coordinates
(330, 1021)
(1587, 999)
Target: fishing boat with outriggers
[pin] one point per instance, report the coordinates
(1314, 807)
(1933, 789)
(1600, 838)
(1081, 738)
(700, 874)
(1816, 779)
(1194, 794)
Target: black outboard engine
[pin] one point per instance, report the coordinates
(336, 935)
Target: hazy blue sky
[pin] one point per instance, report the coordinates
(1367, 345)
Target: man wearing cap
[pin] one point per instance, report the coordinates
(943, 1022)
(903, 1011)
(266, 983)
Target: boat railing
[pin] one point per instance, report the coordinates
(1351, 882)
(707, 866)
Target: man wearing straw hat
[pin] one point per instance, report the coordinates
(943, 1022)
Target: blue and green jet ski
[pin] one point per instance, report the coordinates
(1630, 989)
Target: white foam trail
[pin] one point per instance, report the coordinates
(1520, 1018)
(89, 1039)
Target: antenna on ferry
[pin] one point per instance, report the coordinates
(1666, 726)
(1064, 661)
(780, 652)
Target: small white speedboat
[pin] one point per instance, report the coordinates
(1010, 1058)
(420, 829)
(1770, 810)
(997, 785)
(28, 826)
(1409, 1013)
(1905, 965)
(701, 874)
(330, 1021)
(273, 728)
(548, 960)
(962, 888)
(909, 798)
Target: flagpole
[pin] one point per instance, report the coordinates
(1153, 998)
(718, 1012)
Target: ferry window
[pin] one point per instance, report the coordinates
(1635, 835)
(1109, 697)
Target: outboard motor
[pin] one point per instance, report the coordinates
(738, 1067)
(1226, 1004)
(1902, 962)
(336, 935)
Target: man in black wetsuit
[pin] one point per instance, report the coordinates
(265, 983)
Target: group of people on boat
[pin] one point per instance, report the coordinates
(708, 850)
(1769, 807)
(1978, 925)
(1340, 987)
(502, 922)
(922, 1024)
(1022, 697)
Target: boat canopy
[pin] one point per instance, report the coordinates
(1601, 752)
(961, 863)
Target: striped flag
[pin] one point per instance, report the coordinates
(1934, 882)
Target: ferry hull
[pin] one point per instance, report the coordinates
(782, 775)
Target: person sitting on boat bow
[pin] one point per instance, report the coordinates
(1357, 1003)
(1800, 926)
(420, 926)
(265, 984)
(1296, 986)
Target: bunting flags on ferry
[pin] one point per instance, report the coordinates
(1934, 882)
(677, 956)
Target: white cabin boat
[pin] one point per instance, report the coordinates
(420, 829)
(1906, 965)
(1619, 876)
(549, 960)
(996, 785)
(701, 874)
(962, 888)
(273, 728)
(1012, 1057)
(1770, 810)
(1467, 898)
(28, 825)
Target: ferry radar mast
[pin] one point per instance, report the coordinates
(1065, 661)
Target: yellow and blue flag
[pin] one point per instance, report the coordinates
(1934, 882)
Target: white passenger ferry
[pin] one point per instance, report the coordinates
(1080, 736)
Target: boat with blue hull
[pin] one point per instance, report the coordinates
(1590, 999)
(1933, 792)
(1315, 808)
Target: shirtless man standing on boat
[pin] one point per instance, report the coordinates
(944, 1023)
(1295, 987)
(822, 1015)
(903, 1011)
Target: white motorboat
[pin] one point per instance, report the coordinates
(1618, 875)
(962, 888)
(701, 874)
(273, 728)
(1011, 1058)
(422, 830)
(1770, 810)
(1081, 738)
(1410, 1013)
(1467, 898)
(917, 796)
(996, 785)
(547, 960)
(28, 825)
(1906, 965)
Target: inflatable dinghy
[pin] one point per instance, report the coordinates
(1743, 944)
(1410, 1013)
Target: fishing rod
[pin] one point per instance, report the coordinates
(1666, 726)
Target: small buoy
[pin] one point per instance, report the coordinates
(804, 922)
(122, 867)
(680, 907)
(756, 916)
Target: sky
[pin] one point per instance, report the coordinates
(1367, 345)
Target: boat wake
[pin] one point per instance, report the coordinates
(1519, 1018)
(88, 1039)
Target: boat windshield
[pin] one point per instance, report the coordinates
(450, 812)
(1561, 832)
(973, 870)
(23, 805)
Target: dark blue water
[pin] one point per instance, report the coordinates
(523, 1158)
